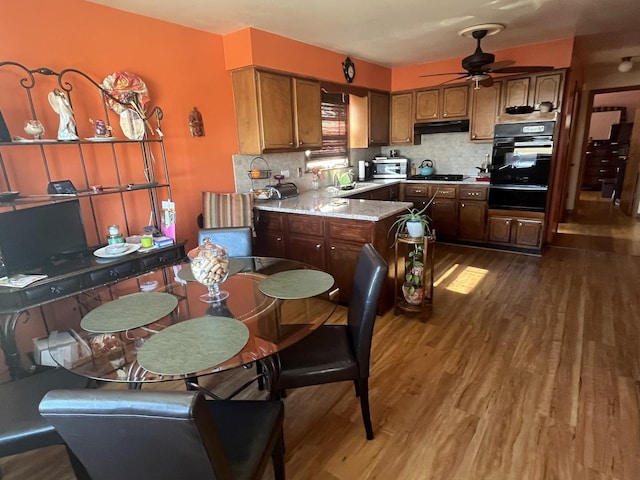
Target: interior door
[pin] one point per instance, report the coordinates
(630, 193)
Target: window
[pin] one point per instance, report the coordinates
(334, 151)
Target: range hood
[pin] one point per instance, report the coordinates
(441, 127)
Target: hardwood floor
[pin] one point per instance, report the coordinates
(599, 225)
(528, 368)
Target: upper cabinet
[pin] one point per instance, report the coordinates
(533, 89)
(444, 103)
(485, 107)
(401, 119)
(368, 120)
(276, 112)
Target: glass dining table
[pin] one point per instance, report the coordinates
(168, 333)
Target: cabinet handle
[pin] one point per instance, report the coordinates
(333, 247)
(55, 290)
(113, 273)
(418, 191)
(473, 136)
(291, 143)
(318, 246)
(278, 239)
(408, 139)
(444, 114)
(462, 205)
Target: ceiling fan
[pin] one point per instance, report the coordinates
(480, 64)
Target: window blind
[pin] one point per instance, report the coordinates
(334, 128)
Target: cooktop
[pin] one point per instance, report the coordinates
(438, 176)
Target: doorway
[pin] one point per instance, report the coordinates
(597, 221)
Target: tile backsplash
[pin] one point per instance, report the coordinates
(450, 152)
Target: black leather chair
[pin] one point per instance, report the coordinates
(238, 240)
(335, 353)
(21, 426)
(159, 435)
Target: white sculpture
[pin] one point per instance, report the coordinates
(60, 104)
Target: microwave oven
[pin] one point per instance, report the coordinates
(395, 167)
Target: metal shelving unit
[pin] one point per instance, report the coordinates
(151, 148)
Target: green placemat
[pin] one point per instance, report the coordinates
(235, 266)
(294, 284)
(128, 312)
(193, 345)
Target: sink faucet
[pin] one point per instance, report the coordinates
(336, 181)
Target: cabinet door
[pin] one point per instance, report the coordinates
(402, 119)
(270, 237)
(308, 116)
(343, 257)
(528, 232)
(499, 229)
(378, 118)
(427, 105)
(484, 110)
(516, 92)
(455, 102)
(472, 220)
(306, 249)
(274, 96)
(444, 217)
(548, 89)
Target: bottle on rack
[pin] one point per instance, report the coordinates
(114, 235)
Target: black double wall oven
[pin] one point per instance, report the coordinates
(521, 166)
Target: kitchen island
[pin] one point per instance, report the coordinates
(326, 230)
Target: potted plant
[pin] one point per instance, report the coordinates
(414, 223)
(412, 288)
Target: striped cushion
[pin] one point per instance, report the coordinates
(227, 210)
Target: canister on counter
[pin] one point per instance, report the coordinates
(114, 235)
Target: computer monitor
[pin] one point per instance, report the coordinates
(31, 239)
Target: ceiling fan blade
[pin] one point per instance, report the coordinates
(523, 69)
(439, 74)
(492, 67)
(454, 79)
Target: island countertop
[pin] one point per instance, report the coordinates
(328, 203)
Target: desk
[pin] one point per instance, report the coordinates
(273, 324)
(86, 274)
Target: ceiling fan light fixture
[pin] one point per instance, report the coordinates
(490, 28)
(625, 64)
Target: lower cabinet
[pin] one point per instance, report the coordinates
(517, 229)
(472, 213)
(330, 244)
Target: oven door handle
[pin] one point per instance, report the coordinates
(533, 144)
(521, 187)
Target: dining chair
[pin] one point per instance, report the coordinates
(160, 435)
(237, 240)
(21, 427)
(336, 353)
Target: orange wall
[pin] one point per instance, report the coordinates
(256, 47)
(182, 68)
(556, 54)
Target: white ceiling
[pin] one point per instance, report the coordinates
(406, 32)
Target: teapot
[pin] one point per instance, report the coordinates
(426, 168)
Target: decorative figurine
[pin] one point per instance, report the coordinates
(195, 123)
(60, 104)
(34, 127)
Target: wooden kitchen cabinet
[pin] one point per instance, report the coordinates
(517, 229)
(401, 119)
(485, 108)
(444, 211)
(378, 118)
(270, 232)
(444, 103)
(368, 120)
(330, 244)
(472, 213)
(276, 112)
(548, 88)
(533, 89)
(516, 92)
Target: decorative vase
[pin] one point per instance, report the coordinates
(412, 295)
(415, 229)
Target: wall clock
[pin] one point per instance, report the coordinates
(349, 70)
